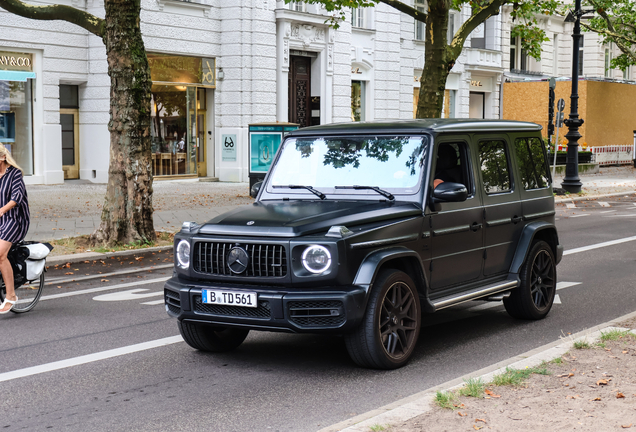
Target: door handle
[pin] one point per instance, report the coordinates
(475, 226)
(516, 219)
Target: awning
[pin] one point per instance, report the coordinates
(6, 75)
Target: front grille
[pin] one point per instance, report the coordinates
(265, 260)
(173, 302)
(262, 311)
(319, 313)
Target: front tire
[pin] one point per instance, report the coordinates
(389, 330)
(533, 299)
(211, 339)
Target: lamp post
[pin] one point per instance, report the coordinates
(572, 182)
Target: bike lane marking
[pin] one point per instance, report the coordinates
(133, 294)
(599, 245)
(89, 358)
(106, 288)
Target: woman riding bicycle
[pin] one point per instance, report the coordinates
(14, 220)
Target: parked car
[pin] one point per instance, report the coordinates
(361, 228)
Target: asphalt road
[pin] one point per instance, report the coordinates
(273, 382)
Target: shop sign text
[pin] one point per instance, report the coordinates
(15, 61)
(228, 148)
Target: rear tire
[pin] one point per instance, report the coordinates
(389, 330)
(533, 299)
(211, 339)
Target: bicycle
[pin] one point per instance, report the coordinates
(28, 293)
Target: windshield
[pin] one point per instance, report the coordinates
(391, 163)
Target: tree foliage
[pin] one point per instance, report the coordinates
(615, 21)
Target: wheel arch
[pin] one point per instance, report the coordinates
(540, 230)
(397, 258)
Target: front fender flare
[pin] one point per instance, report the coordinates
(373, 262)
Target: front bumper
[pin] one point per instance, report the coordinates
(324, 310)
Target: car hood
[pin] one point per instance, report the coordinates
(298, 218)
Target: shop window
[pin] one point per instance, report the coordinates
(358, 100)
(16, 122)
(495, 169)
(533, 167)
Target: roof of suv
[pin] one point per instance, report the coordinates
(417, 126)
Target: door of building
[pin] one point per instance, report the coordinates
(476, 108)
(202, 166)
(300, 91)
(69, 120)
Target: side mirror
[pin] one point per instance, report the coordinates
(256, 187)
(450, 192)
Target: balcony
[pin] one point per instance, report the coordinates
(484, 59)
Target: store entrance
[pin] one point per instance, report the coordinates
(300, 91)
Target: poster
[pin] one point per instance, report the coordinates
(228, 148)
(264, 146)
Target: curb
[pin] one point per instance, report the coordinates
(422, 402)
(73, 258)
(557, 199)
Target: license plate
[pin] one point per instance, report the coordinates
(230, 298)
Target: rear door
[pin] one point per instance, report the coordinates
(502, 205)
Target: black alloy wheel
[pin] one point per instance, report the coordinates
(533, 299)
(388, 334)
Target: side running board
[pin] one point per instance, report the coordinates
(474, 294)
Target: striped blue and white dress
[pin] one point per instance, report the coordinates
(14, 224)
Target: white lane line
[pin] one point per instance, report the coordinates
(579, 215)
(154, 302)
(127, 295)
(571, 205)
(76, 361)
(603, 204)
(557, 299)
(60, 280)
(609, 211)
(106, 288)
(599, 245)
(562, 285)
(622, 215)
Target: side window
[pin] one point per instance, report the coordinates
(495, 170)
(452, 165)
(533, 166)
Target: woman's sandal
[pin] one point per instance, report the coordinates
(11, 302)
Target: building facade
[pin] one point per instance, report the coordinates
(217, 68)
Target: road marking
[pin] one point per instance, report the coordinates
(599, 245)
(127, 295)
(154, 302)
(76, 361)
(106, 288)
(102, 275)
(622, 215)
(609, 211)
(562, 285)
(557, 299)
(580, 215)
(570, 205)
(604, 204)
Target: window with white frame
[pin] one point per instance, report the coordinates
(581, 43)
(452, 19)
(358, 17)
(518, 56)
(420, 27)
(298, 6)
(608, 61)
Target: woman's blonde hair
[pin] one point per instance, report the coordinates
(9, 158)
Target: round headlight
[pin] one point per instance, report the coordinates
(316, 259)
(183, 254)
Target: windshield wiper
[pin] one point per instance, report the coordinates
(319, 194)
(373, 188)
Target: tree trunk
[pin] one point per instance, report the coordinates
(439, 60)
(127, 211)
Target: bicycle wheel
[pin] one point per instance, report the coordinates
(28, 295)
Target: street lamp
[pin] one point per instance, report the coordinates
(572, 182)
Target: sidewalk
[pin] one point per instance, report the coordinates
(74, 208)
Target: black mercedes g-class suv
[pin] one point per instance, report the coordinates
(360, 228)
